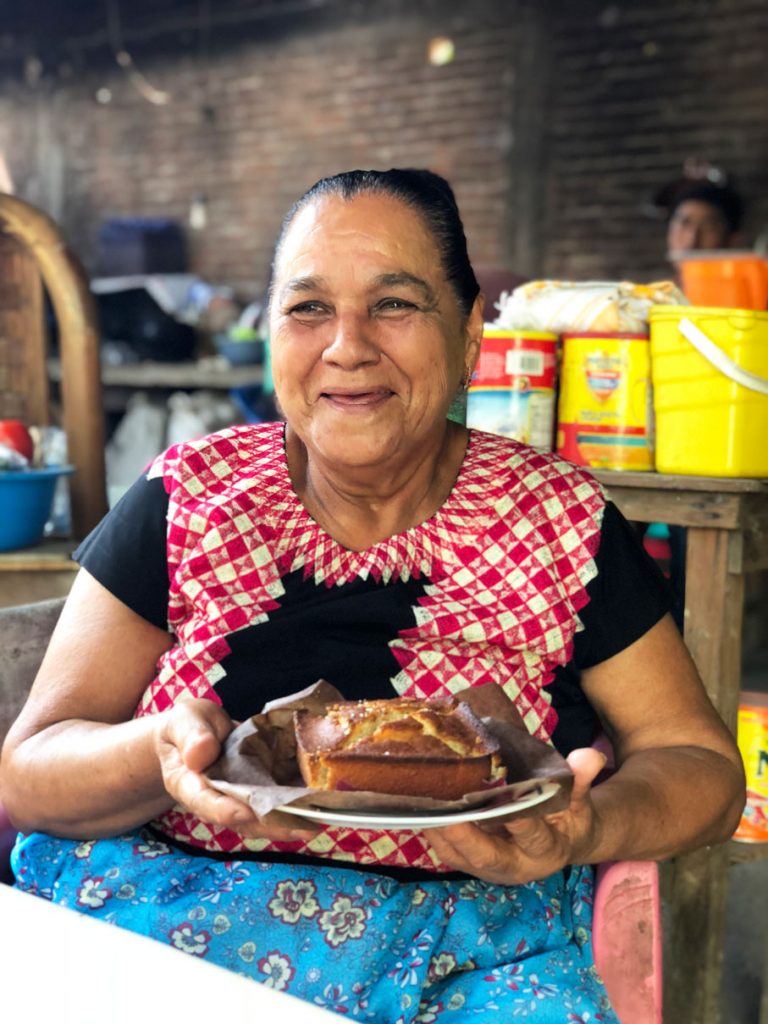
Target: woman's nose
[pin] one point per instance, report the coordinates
(352, 342)
(687, 237)
(698, 234)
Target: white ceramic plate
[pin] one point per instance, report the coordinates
(420, 819)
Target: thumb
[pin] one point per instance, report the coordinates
(586, 764)
(199, 731)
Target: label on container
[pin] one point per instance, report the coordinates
(753, 746)
(513, 388)
(605, 416)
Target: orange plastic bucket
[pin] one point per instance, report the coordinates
(723, 277)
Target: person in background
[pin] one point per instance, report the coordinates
(373, 542)
(703, 213)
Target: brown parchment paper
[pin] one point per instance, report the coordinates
(258, 764)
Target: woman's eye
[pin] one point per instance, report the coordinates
(395, 305)
(307, 310)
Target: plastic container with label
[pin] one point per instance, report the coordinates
(604, 412)
(512, 392)
(710, 386)
(753, 747)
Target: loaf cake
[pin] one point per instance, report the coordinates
(434, 748)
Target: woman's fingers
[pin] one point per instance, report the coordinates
(189, 741)
(456, 844)
(490, 856)
(586, 763)
(525, 848)
(198, 728)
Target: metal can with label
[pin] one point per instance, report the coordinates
(753, 747)
(605, 412)
(512, 392)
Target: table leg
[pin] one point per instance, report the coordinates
(695, 884)
(714, 612)
(693, 891)
(764, 999)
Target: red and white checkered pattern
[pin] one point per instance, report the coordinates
(507, 557)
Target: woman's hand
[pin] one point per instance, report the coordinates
(77, 763)
(189, 741)
(526, 849)
(669, 745)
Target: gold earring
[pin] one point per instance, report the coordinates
(466, 379)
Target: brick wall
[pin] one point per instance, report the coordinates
(556, 122)
(640, 87)
(257, 122)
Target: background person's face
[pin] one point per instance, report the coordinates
(369, 343)
(696, 224)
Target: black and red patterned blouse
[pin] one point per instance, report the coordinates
(525, 576)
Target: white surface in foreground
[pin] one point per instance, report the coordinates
(57, 964)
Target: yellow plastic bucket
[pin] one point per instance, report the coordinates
(710, 384)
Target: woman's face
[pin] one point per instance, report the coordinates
(368, 341)
(696, 224)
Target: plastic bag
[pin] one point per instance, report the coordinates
(611, 307)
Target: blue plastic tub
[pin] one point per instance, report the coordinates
(26, 496)
(239, 352)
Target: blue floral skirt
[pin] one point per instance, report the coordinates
(358, 943)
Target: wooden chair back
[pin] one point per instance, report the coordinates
(24, 634)
(33, 255)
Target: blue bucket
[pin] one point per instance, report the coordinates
(26, 497)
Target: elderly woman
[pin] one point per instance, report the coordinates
(373, 542)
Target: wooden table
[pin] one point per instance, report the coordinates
(46, 570)
(727, 537)
(212, 373)
(37, 573)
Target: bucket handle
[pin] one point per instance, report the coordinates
(714, 355)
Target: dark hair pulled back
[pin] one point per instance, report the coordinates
(722, 197)
(424, 191)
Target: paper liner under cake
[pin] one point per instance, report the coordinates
(259, 766)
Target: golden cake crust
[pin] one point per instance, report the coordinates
(406, 746)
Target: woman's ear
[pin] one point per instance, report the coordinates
(474, 330)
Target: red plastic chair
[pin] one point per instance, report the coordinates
(7, 839)
(627, 929)
(626, 939)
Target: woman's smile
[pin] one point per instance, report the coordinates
(357, 399)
